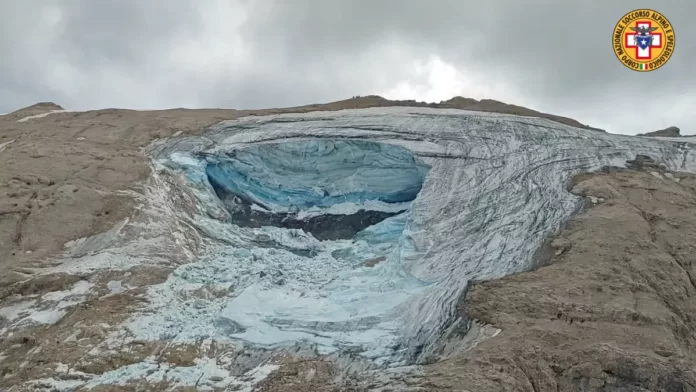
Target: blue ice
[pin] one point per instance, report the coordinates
(319, 173)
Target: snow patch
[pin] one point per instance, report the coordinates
(205, 374)
(3, 146)
(81, 287)
(41, 115)
(85, 245)
(657, 175)
(16, 311)
(49, 308)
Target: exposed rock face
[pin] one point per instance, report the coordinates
(38, 108)
(101, 236)
(667, 132)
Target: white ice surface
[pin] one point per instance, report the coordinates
(348, 208)
(687, 138)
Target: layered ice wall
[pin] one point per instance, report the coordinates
(356, 232)
(331, 189)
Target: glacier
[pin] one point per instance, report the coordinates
(354, 234)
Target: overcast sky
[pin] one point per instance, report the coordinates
(554, 56)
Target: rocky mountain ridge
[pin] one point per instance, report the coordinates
(667, 132)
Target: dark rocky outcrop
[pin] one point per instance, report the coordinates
(667, 132)
(644, 163)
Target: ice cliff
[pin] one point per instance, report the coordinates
(354, 233)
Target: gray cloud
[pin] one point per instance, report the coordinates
(551, 56)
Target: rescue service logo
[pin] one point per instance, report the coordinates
(643, 40)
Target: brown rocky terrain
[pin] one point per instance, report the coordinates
(612, 309)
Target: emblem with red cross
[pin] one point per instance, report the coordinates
(645, 52)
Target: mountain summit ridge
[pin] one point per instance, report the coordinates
(361, 102)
